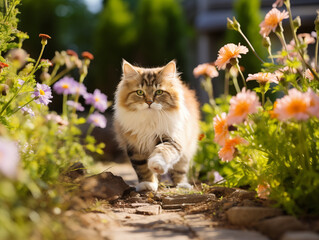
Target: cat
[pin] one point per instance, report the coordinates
(156, 122)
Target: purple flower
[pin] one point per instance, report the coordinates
(97, 100)
(97, 119)
(43, 94)
(80, 89)
(75, 105)
(9, 158)
(27, 110)
(65, 85)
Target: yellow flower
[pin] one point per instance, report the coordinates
(227, 52)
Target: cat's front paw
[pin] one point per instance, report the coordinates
(157, 164)
(184, 185)
(147, 186)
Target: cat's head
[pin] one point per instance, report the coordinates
(145, 89)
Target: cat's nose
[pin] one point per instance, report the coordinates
(149, 102)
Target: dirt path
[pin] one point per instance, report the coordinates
(217, 213)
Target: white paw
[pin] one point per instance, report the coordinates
(148, 186)
(157, 164)
(184, 185)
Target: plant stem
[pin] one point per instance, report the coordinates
(77, 95)
(236, 84)
(251, 47)
(23, 106)
(226, 84)
(39, 58)
(270, 54)
(241, 74)
(54, 71)
(65, 98)
(59, 75)
(90, 129)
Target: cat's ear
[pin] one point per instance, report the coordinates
(169, 70)
(128, 69)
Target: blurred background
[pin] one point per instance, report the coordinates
(149, 33)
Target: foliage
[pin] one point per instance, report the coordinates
(37, 146)
(270, 146)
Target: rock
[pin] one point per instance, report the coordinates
(221, 191)
(277, 226)
(76, 170)
(304, 235)
(228, 234)
(149, 210)
(187, 198)
(243, 194)
(248, 216)
(103, 186)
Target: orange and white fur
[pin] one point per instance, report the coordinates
(156, 123)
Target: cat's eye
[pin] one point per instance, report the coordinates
(139, 92)
(159, 92)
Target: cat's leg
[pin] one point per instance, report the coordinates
(166, 153)
(146, 178)
(179, 173)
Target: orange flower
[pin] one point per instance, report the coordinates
(272, 112)
(71, 53)
(262, 78)
(272, 19)
(227, 152)
(295, 105)
(87, 55)
(221, 129)
(244, 103)
(263, 190)
(205, 69)
(313, 108)
(227, 52)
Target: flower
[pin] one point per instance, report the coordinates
(309, 75)
(97, 99)
(244, 103)
(87, 55)
(306, 38)
(27, 110)
(278, 3)
(2, 66)
(9, 157)
(262, 78)
(65, 85)
(313, 108)
(75, 105)
(72, 53)
(263, 190)
(271, 21)
(221, 129)
(205, 69)
(45, 38)
(57, 118)
(227, 152)
(227, 52)
(80, 89)
(97, 119)
(293, 106)
(43, 94)
(18, 56)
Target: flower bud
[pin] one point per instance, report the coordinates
(233, 24)
(296, 23)
(266, 42)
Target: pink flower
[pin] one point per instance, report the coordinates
(221, 129)
(43, 94)
(227, 52)
(262, 78)
(244, 103)
(97, 119)
(313, 108)
(9, 158)
(309, 75)
(205, 69)
(293, 106)
(227, 152)
(271, 21)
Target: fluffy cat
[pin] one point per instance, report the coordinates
(156, 123)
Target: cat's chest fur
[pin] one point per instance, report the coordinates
(144, 129)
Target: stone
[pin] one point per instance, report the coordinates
(221, 191)
(228, 234)
(248, 216)
(241, 194)
(187, 198)
(103, 186)
(149, 210)
(304, 235)
(277, 226)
